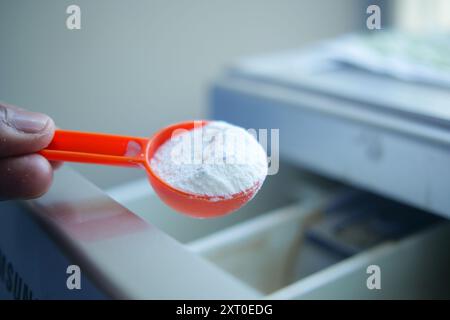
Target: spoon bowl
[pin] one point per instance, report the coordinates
(117, 150)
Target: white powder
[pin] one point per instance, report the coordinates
(218, 159)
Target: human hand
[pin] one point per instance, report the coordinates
(24, 173)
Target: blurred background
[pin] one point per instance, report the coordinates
(136, 66)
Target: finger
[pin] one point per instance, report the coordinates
(23, 132)
(26, 176)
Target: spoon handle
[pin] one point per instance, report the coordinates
(96, 148)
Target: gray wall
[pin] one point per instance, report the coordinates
(139, 65)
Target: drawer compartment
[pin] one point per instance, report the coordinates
(314, 244)
(416, 267)
(314, 241)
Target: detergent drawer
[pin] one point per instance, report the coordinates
(413, 268)
(278, 255)
(309, 251)
(315, 239)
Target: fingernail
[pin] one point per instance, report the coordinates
(28, 122)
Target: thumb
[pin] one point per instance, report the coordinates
(23, 132)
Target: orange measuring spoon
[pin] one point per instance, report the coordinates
(117, 150)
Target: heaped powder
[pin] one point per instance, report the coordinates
(218, 159)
